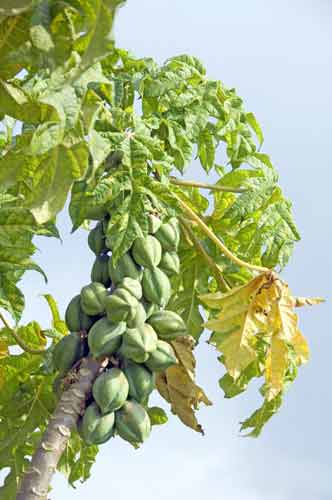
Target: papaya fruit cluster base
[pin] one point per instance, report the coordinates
(122, 316)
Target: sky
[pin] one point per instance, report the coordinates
(277, 55)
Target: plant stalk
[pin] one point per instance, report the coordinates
(217, 241)
(213, 266)
(204, 185)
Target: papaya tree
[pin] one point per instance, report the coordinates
(85, 121)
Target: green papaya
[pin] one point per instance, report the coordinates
(169, 235)
(156, 286)
(76, 319)
(138, 343)
(93, 298)
(150, 308)
(132, 423)
(105, 337)
(139, 318)
(120, 305)
(99, 272)
(141, 381)
(68, 351)
(110, 390)
(124, 268)
(154, 223)
(167, 324)
(132, 286)
(170, 263)
(162, 358)
(96, 240)
(96, 428)
(147, 251)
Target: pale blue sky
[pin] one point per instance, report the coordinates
(278, 57)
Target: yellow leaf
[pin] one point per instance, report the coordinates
(275, 367)
(177, 385)
(219, 300)
(237, 324)
(301, 348)
(306, 301)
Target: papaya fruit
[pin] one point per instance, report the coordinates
(99, 272)
(139, 318)
(141, 381)
(93, 299)
(68, 351)
(170, 263)
(76, 319)
(138, 343)
(150, 308)
(132, 286)
(105, 337)
(125, 267)
(110, 390)
(154, 223)
(132, 423)
(147, 251)
(161, 358)
(156, 286)
(96, 240)
(169, 235)
(120, 305)
(96, 428)
(167, 324)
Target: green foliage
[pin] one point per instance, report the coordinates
(69, 127)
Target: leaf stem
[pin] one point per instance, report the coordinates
(204, 185)
(217, 241)
(18, 339)
(215, 269)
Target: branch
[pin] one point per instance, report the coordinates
(18, 339)
(217, 241)
(35, 483)
(204, 185)
(215, 269)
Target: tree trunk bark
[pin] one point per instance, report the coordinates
(35, 483)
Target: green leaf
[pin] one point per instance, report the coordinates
(129, 221)
(98, 42)
(251, 119)
(26, 402)
(206, 149)
(17, 103)
(53, 178)
(261, 416)
(11, 298)
(157, 415)
(232, 387)
(77, 459)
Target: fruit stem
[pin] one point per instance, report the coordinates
(215, 269)
(18, 339)
(217, 241)
(204, 185)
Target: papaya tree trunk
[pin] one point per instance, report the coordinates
(36, 481)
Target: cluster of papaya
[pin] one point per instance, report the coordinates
(122, 315)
